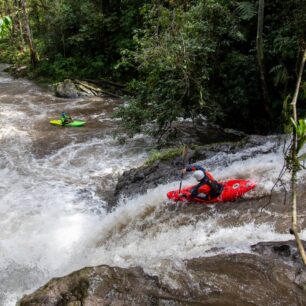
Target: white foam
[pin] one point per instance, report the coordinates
(136, 234)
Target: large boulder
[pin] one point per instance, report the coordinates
(66, 89)
(76, 88)
(236, 279)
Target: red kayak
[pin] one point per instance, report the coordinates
(232, 190)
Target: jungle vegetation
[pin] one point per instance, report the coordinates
(231, 62)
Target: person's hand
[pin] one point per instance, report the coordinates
(183, 171)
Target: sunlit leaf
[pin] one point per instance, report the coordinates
(302, 157)
(5, 25)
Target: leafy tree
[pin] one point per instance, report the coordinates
(5, 26)
(28, 33)
(293, 161)
(179, 58)
(184, 58)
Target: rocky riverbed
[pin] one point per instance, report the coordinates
(75, 198)
(238, 279)
(270, 274)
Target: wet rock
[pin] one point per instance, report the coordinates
(199, 132)
(139, 180)
(237, 279)
(77, 88)
(101, 285)
(17, 71)
(285, 251)
(66, 89)
(245, 279)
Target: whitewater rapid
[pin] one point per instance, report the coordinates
(53, 213)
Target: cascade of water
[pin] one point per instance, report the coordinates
(53, 218)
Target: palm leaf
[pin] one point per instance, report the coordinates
(280, 74)
(246, 10)
(302, 157)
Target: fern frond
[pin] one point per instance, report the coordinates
(280, 74)
(246, 10)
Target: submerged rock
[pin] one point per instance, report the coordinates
(228, 280)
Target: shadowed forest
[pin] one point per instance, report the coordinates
(233, 62)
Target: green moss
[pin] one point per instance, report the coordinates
(165, 154)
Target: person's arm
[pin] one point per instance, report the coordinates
(194, 191)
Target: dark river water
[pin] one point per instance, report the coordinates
(53, 216)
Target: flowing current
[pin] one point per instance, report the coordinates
(53, 208)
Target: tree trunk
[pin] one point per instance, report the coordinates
(6, 8)
(33, 54)
(294, 161)
(18, 23)
(260, 57)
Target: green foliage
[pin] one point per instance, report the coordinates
(166, 154)
(70, 67)
(246, 10)
(300, 129)
(280, 74)
(5, 26)
(283, 36)
(88, 34)
(294, 161)
(182, 59)
(12, 54)
(286, 115)
(170, 48)
(226, 85)
(134, 115)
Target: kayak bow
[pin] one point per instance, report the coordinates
(232, 189)
(74, 123)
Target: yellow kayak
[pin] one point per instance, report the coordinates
(74, 123)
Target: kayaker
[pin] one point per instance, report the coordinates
(65, 118)
(207, 188)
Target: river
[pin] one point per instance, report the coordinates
(53, 214)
